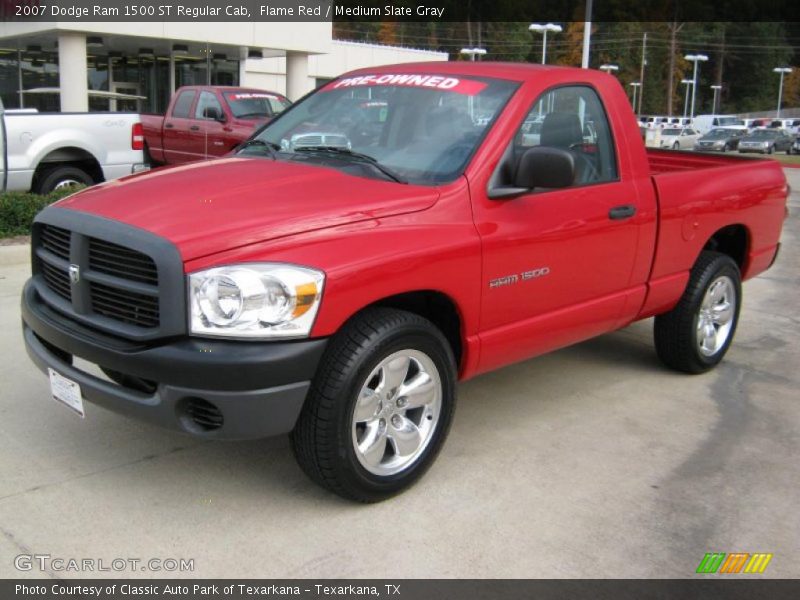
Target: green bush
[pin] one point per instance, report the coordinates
(17, 209)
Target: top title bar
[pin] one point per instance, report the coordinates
(396, 10)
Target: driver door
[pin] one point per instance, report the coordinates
(207, 134)
(558, 263)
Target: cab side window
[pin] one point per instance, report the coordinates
(572, 119)
(208, 107)
(183, 104)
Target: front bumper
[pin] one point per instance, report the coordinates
(257, 388)
(755, 150)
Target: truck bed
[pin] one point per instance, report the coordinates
(698, 194)
(669, 161)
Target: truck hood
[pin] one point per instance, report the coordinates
(209, 207)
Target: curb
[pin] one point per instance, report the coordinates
(15, 254)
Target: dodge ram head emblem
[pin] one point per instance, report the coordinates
(74, 273)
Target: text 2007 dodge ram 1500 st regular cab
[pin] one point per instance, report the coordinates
(337, 275)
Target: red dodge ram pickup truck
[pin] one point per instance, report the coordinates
(207, 121)
(396, 231)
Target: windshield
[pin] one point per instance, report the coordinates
(255, 104)
(728, 121)
(423, 128)
(671, 132)
(764, 134)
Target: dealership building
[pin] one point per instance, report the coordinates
(73, 66)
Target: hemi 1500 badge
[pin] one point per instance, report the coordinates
(524, 276)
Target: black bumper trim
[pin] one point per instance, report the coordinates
(247, 415)
(258, 387)
(183, 362)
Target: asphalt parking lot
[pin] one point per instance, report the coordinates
(594, 461)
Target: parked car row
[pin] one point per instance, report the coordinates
(723, 139)
(705, 123)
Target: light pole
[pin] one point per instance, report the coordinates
(716, 89)
(473, 52)
(687, 83)
(695, 58)
(543, 29)
(634, 85)
(783, 71)
(609, 68)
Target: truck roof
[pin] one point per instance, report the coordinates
(500, 70)
(228, 88)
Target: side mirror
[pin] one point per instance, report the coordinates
(539, 167)
(213, 113)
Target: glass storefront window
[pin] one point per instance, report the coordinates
(131, 74)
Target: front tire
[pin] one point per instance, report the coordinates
(379, 408)
(695, 335)
(676, 146)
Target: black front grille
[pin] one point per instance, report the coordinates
(116, 260)
(112, 281)
(57, 280)
(127, 307)
(56, 241)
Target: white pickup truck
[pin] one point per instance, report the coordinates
(40, 152)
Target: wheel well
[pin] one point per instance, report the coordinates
(73, 157)
(732, 240)
(437, 308)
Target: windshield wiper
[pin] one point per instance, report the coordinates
(270, 147)
(347, 153)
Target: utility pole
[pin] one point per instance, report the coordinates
(674, 29)
(782, 71)
(641, 73)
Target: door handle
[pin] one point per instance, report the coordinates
(195, 128)
(168, 126)
(626, 211)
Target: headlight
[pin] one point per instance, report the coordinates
(255, 300)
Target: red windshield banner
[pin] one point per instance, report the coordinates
(251, 95)
(468, 87)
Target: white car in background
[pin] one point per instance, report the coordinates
(41, 152)
(678, 138)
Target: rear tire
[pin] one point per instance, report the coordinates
(379, 408)
(695, 335)
(62, 176)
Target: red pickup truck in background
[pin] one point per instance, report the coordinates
(397, 230)
(207, 121)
